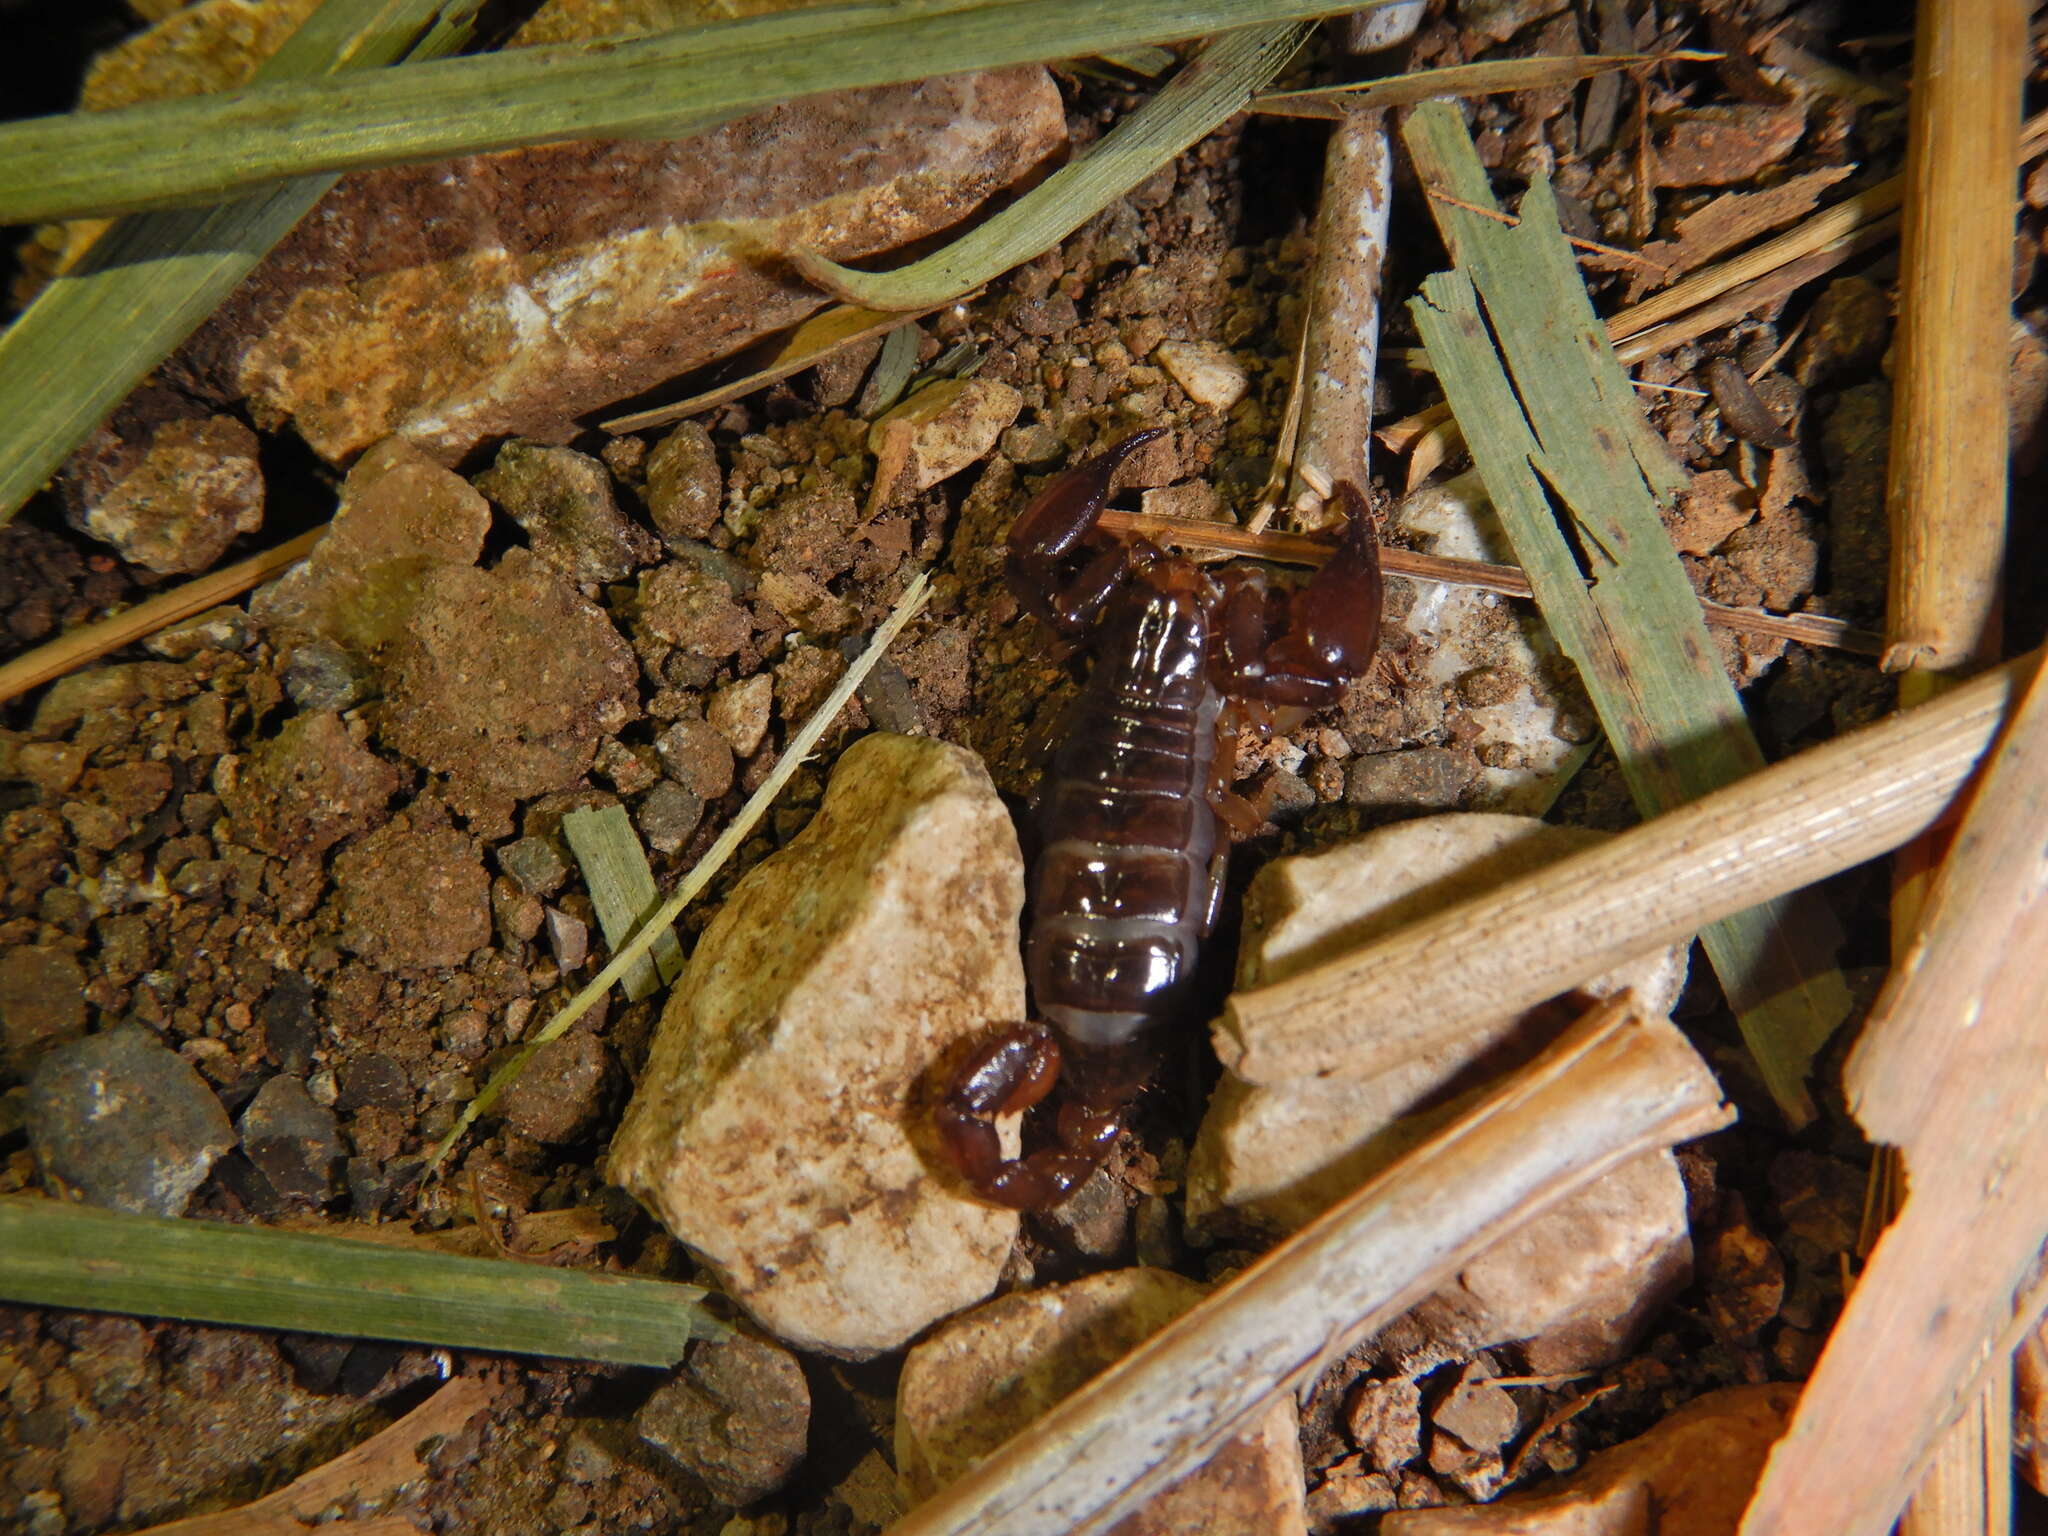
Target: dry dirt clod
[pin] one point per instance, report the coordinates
(117, 1119)
(986, 1375)
(1577, 1281)
(782, 1126)
(413, 897)
(683, 484)
(736, 1414)
(563, 499)
(42, 1004)
(306, 788)
(505, 680)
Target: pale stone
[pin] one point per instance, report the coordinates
(1526, 735)
(986, 1376)
(171, 494)
(783, 1126)
(936, 433)
(1692, 1475)
(1582, 1275)
(740, 712)
(1206, 372)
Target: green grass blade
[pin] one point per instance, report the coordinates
(1568, 429)
(58, 1255)
(1486, 78)
(1212, 88)
(149, 280)
(621, 885)
(210, 147)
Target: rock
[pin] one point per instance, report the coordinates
(562, 1091)
(413, 898)
(568, 939)
(668, 815)
(741, 712)
(1583, 1275)
(306, 788)
(683, 484)
(737, 1415)
(507, 295)
(782, 1126)
(535, 863)
(1522, 733)
(226, 628)
(165, 481)
(1384, 1420)
(1692, 1475)
(696, 755)
(629, 769)
(1095, 1220)
(505, 680)
(563, 499)
(1411, 780)
(1205, 371)
(683, 604)
(1481, 1415)
(100, 696)
(985, 1376)
(119, 1120)
(936, 433)
(294, 1143)
(1724, 145)
(42, 1004)
(399, 513)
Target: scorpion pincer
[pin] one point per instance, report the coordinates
(1130, 851)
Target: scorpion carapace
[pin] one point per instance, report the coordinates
(1130, 853)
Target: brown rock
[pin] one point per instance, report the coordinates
(400, 513)
(985, 1376)
(1205, 371)
(562, 1091)
(737, 1415)
(697, 756)
(506, 295)
(781, 1127)
(683, 604)
(563, 499)
(42, 1004)
(1690, 1476)
(1719, 146)
(1582, 1276)
(165, 481)
(213, 46)
(505, 680)
(306, 789)
(683, 484)
(413, 898)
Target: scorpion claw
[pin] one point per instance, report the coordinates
(1055, 525)
(1010, 1073)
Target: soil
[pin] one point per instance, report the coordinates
(386, 930)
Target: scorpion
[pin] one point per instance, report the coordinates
(1129, 814)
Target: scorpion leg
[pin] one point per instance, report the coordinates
(1012, 1072)
(1301, 650)
(1059, 524)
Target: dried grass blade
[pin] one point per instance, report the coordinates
(1482, 79)
(61, 1255)
(1212, 88)
(1611, 587)
(662, 85)
(798, 748)
(148, 281)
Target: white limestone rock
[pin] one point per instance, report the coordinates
(1273, 1157)
(985, 1376)
(783, 1125)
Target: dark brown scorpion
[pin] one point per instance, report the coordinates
(1130, 851)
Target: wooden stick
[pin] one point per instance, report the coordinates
(1946, 493)
(89, 642)
(1507, 580)
(1788, 826)
(1948, 1067)
(1611, 1089)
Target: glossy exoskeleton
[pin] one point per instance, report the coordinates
(1130, 850)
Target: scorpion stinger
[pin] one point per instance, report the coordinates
(1130, 850)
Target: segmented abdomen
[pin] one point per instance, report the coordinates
(1121, 889)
